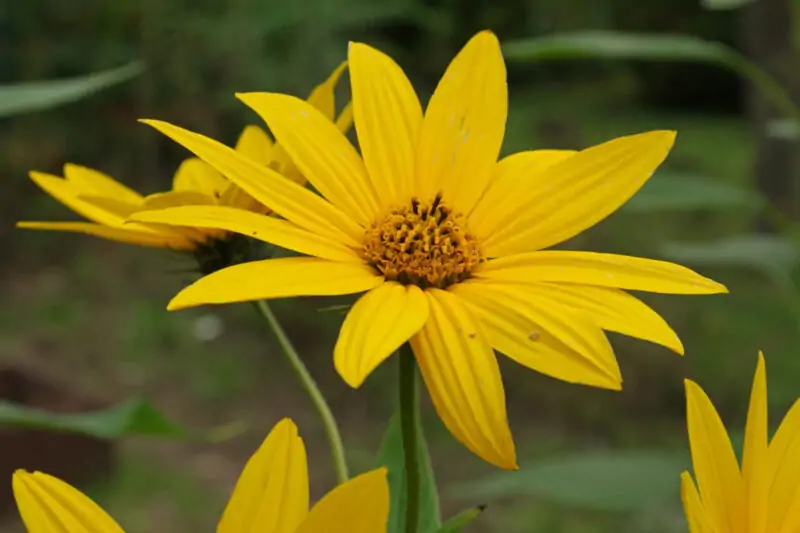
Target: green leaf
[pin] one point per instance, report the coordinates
(20, 98)
(605, 481)
(391, 456)
(765, 252)
(679, 192)
(134, 417)
(724, 4)
(457, 523)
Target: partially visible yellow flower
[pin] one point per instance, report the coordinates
(271, 496)
(446, 241)
(762, 497)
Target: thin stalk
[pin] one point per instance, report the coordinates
(409, 425)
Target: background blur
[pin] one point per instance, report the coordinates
(83, 321)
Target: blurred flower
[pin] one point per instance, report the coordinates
(446, 240)
(271, 496)
(764, 497)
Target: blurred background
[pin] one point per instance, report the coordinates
(83, 322)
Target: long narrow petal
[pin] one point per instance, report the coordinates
(277, 278)
(49, 505)
(271, 495)
(388, 117)
(693, 507)
(581, 191)
(195, 175)
(123, 235)
(323, 96)
(268, 229)
(531, 345)
(321, 152)
(254, 143)
(714, 462)
(784, 466)
(360, 505)
(288, 199)
(68, 194)
(602, 270)
(463, 378)
(91, 180)
(755, 461)
(345, 119)
(377, 325)
(578, 333)
(464, 125)
(513, 176)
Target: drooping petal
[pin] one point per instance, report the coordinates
(322, 153)
(693, 507)
(67, 194)
(323, 96)
(388, 117)
(714, 462)
(602, 270)
(755, 461)
(89, 180)
(464, 125)
(277, 278)
(360, 505)
(197, 176)
(784, 467)
(49, 505)
(376, 326)
(157, 240)
(529, 344)
(288, 199)
(345, 119)
(463, 379)
(254, 143)
(513, 176)
(581, 191)
(268, 229)
(271, 495)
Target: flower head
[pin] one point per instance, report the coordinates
(445, 239)
(762, 497)
(271, 496)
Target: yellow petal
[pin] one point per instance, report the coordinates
(784, 467)
(531, 345)
(388, 117)
(581, 191)
(693, 507)
(755, 462)
(360, 505)
(89, 180)
(511, 180)
(602, 270)
(195, 175)
(564, 323)
(277, 278)
(49, 505)
(68, 194)
(175, 242)
(376, 326)
(464, 125)
(345, 119)
(288, 199)
(714, 462)
(323, 96)
(268, 229)
(255, 144)
(463, 379)
(271, 495)
(321, 152)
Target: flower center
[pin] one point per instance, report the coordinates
(423, 244)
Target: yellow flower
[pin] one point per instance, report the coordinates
(271, 496)
(764, 497)
(446, 240)
(107, 203)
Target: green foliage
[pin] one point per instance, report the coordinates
(725, 4)
(460, 521)
(763, 252)
(680, 192)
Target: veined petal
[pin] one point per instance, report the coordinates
(158, 240)
(464, 125)
(388, 117)
(277, 278)
(345, 119)
(290, 200)
(512, 178)
(693, 507)
(323, 96)
(602, 270)
(784, 467)
(360, 505)
(49, 505)
(89, 180)
(531, 345)
(268, 229)
(271, 495)
(755, 461)
(714, 462)
(463, 379)
(321, 152)
(255, 144)
(581, 191)
(68, 194)
(376, 326)
(196, 176)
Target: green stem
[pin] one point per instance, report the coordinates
(308, 383)
(409, 425)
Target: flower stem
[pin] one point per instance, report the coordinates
(310, 386)
(409, 424)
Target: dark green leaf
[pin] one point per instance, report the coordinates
(391, 456)
(764, 252)
(678, 192)
(724, 4)
(134, 417)
(461, 520)
(26, 97)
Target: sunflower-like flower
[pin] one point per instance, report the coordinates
(446, 241)
(271, 496)
(762, 497)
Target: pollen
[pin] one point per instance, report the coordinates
(423, 244)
